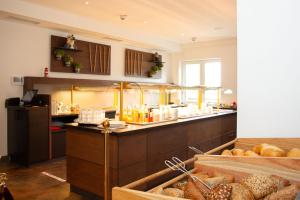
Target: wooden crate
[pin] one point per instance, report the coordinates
(239, 166)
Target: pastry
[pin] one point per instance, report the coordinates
(179, 185)
(257, 148)
(287, 193)
(212, 182)
(173, 192)
(226, 152)
(157, 190)
(220, 192)
(272, 151)
(260, 185)
(250, 153)
(238, 152)
(295, 152)
(229, 178)
(191, 191)
(201, 176)
(240, 192)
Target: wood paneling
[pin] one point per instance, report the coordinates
(94, 58)
(138, 63)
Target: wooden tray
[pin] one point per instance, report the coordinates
(285, 167)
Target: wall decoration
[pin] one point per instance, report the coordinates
(142, 64)
(67, 53)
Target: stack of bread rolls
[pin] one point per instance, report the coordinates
(264, 149)
(224, 187)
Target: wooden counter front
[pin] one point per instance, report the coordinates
(140, 151)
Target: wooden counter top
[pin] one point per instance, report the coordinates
(132, 128)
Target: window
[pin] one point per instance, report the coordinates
(204, 72)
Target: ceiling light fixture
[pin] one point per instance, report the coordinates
(123, 17)
(86, 3)
(182, 34)
(145, 22)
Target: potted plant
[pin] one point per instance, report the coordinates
(154, 69)
(76, 67)
(68, 59)
(59, 53)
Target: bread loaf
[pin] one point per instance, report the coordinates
(250, 154)
(287, 193)
(220, 192)
(226, 152)
(201, 176)
(173, 192)
(280, 182)
(180, 185)
(272, 151)
(212, 182)
(238, 152)
(260, 185)
(240, 192)
(228, 177)
(191, 191)
(295, 152)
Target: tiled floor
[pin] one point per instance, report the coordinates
(31, 184)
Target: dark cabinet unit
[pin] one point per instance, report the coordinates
(28, 134)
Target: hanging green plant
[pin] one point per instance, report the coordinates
(68, 60)
(77, 67)
(59, 54)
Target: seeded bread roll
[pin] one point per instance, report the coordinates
(238, 152)
(240, 192)
(287, 193)
(260, 185)
(226, 152)
(295, 152)
(173, 192)
(191, 191)
(250, 154)
(220, 192)
(280, 182)
(272, 151)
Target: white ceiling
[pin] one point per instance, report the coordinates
(174, 20)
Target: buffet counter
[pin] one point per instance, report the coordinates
(138, 150)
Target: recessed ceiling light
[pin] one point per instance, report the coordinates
(145, 22)
(182, 34)
(86, 3)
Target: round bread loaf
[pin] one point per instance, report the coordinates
(250, 154)
(226, 152)
(220, 192)
(214, 181)
(272, 151)
(295, 152)
(180, 185)
(287, 193)
(238, 152)
(173, 192)
(240, 192)
(260, 185)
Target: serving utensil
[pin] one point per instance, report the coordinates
(178, 165)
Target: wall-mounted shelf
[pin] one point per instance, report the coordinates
(68, 49)
(94, 58)
(139, 63)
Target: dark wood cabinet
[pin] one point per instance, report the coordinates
(28, 134)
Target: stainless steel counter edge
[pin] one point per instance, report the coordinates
(132, 128)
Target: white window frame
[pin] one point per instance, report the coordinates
(202, 74)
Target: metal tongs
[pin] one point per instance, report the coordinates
(178, 165)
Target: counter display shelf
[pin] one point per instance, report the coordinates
(238, 167)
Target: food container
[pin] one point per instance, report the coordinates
(238, 166)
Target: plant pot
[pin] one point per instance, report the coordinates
(58, 57)
(67, 63)
(77, 70)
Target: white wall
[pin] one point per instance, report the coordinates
(268, 68)
(25, 51)
(222, 49)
